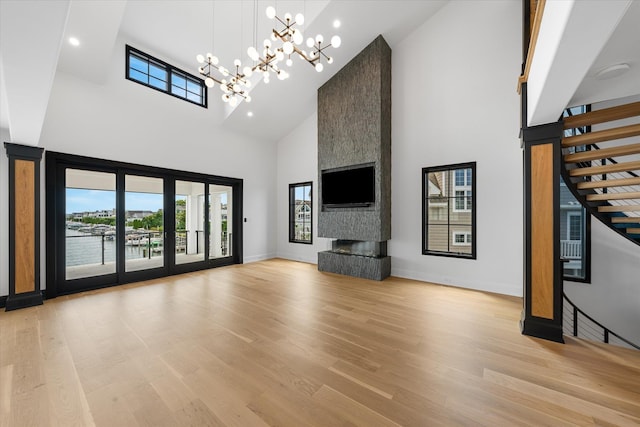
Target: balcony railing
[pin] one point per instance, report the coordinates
(571, 249)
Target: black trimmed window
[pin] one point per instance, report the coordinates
(575, 220)
(449, 210)
(300, 212)
(156, 74)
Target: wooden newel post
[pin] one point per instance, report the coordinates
(542, 311)
(24, 226)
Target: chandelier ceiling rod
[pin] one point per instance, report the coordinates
(238, 83)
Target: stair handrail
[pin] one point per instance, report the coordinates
(606, 330)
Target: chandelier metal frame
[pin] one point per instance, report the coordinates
(235, 85)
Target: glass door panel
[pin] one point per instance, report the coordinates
(144, 223)
(220, 221)
(90, 223)
(189, 227)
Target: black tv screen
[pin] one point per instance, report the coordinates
(349, 187)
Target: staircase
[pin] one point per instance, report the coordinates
(602, 167)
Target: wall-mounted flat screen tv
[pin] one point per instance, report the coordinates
(352, 187)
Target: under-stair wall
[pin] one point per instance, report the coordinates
(613, 296)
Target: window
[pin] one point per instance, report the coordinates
(300, 213)
(449, 210)
(575, 237)
(156, 74)
(461, 239)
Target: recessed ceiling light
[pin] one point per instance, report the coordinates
(612, 71)
(250, 114)
(336, 23)
(74, 41)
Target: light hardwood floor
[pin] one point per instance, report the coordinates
(278, 343)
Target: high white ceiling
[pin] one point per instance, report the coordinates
(34, 48)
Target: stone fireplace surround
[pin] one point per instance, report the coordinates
(354, 128)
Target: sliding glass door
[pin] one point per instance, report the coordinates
(144, 223)
(110, 223)
(220, 221)
(89, 223)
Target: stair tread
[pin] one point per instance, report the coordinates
(633, 230)
(604, 153)
(620, 182)
(625, 219)
(601, 135)
(602, 116)
(598, 170)
(622, 208)
(614, 196)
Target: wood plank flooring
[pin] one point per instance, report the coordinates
(279, 343)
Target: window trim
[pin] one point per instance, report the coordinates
(466, 236)
(170, 70)
(292, 213)
(451, 197)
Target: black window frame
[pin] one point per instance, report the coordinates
(171, 72)
(451, 200)
(292, 212)
(586, 225)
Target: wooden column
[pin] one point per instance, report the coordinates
(542, 313)
(24, 226)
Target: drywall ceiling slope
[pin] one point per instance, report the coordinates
(622, 48)
(281, 105)
(95, 24)
(572, 35)
(30, 38)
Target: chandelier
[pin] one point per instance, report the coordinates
(276, 51)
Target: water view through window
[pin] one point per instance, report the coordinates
(90, 247)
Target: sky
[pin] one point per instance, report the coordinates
(81, 200)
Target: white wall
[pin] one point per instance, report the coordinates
(4, 214)
(298, 162)
(613, 296)
(454, 100)
(128, 122)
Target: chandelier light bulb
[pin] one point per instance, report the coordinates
(298, 38)
(273, 37)
(201, 70)
(225, 72)
(236, 87)
(247, 83)
(330, 60)
(319, 38)
(224, 82)
(214, 60)
(253, 53)
(287, 48)
(336, 41)
(289, 62)
(209, 82)
(271, 12)
(247, 71)
(266, 43)
(233, 101)
(225, 97)
(281, 76)
(248, 98)
(237, 62)
(300, 19)
(280, 55)
(319, 67)
(310, 42)
(209, 56)
(200, 59)
(288, 17)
